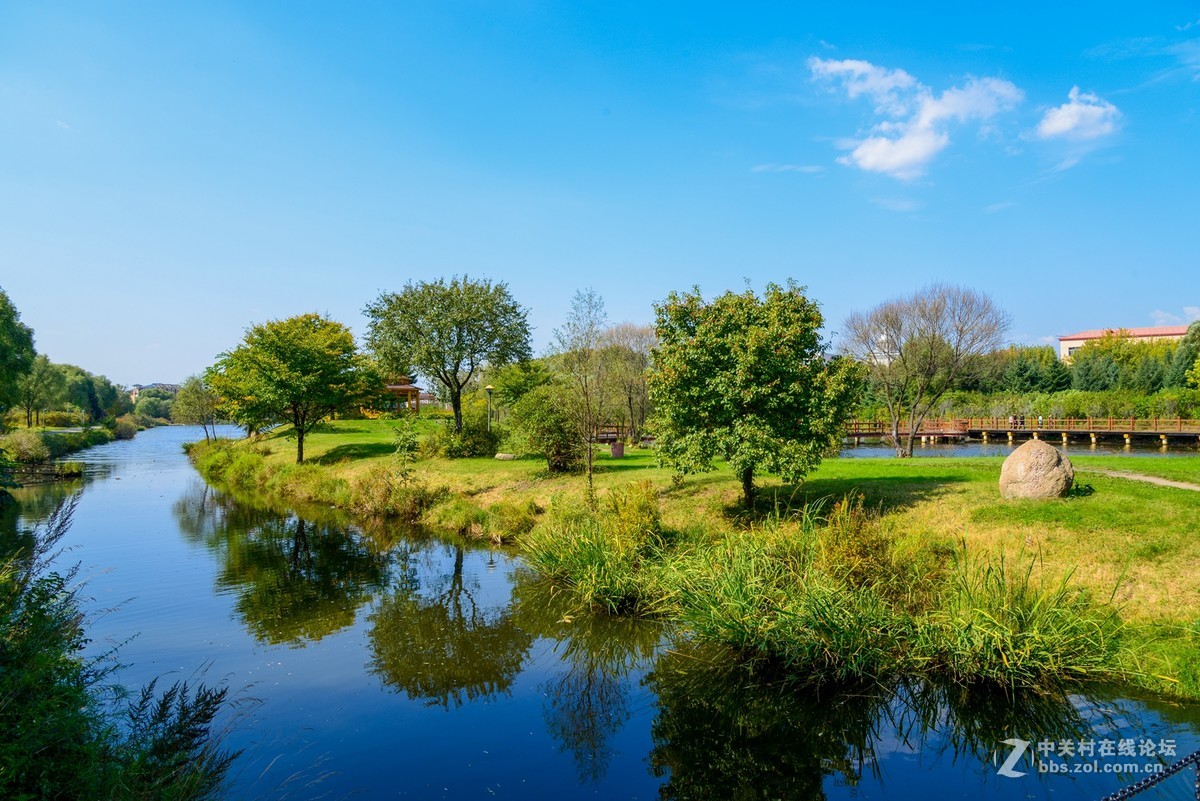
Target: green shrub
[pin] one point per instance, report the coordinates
(124, 427)
(26, 445)
(380, 492)
(62, 419)
(540, 425)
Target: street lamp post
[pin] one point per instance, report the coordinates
(489, 389)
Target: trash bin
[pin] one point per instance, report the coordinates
(618, 450)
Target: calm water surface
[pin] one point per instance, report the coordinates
(390, 664)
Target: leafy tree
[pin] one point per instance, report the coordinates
(513, 381)
(448, 332)
(1094, 372)
(580, 358)
(155, 403)
(300, 370)
(916, 349)
(1187, 351)
(42, 387)
(745, 379)
(195, 404)
(16, 352)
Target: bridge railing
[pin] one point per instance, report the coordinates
(1097, 425)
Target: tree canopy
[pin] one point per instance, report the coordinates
(16, 352)
(745, 379)
(195, 404)
(299, 371)
(447, 332)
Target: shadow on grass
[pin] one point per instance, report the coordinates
(884, 494)
(361, 450)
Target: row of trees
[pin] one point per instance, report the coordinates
(30, 382)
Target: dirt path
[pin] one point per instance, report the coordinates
(1162, 482)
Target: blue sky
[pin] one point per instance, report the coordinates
(171, 173)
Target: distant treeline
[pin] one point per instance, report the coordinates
(1114, 376)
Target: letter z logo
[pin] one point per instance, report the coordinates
(1018, 750)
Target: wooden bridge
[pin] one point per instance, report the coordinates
(1013, 427)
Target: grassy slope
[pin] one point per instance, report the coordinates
(1139, 539)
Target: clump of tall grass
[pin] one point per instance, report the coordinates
(458, 515)
(771, 598)
(607, 556)
(62, 738)
(1000, 623)
(509, 520)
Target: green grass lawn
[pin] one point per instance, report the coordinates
(1139, 540)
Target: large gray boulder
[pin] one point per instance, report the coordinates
(1036, 470)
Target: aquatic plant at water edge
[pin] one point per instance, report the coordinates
(64, 736)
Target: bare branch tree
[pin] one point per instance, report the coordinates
(629, 346)
(578, 350)
(917, 348)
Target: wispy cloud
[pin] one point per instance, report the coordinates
(1190, 315)
(1188, 55)
(810, 169)
(1188, 25)
(1084, 116)
(916, 121)
(997, 207)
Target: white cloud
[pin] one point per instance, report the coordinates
(1186, 26)
(811, 169)
(996, 207)
(1084, 116)
(890, 90)
(918, 123)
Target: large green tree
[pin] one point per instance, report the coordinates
(746, 379)
(16, 352)
(299, 371)
(447, 331)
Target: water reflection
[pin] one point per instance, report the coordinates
(432, 639)
(588, 702)
(295, 581)
(724, 733)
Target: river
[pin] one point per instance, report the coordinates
(392, 664)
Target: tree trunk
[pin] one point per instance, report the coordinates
(456, 405)
(748, 488)
(299, 446)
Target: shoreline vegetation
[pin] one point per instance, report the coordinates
(871, 569)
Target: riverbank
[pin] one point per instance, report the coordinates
(912, 552)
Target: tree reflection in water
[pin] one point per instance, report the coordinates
(724, 733)
(438, 643)
(295, 581)
(588, 702)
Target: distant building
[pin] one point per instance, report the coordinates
(1067, 345)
